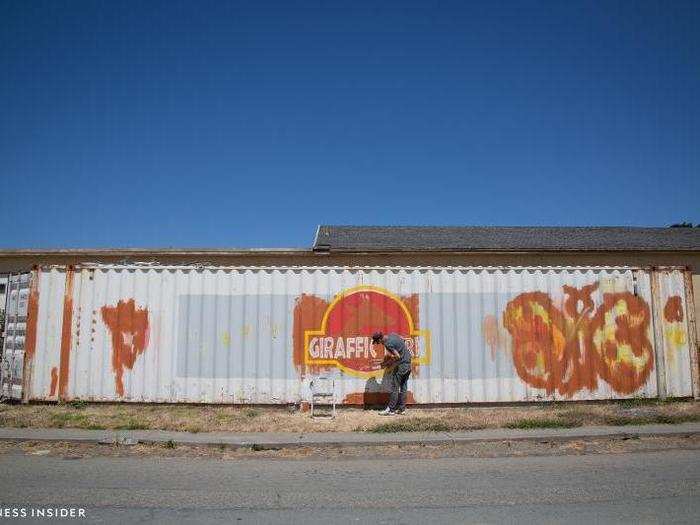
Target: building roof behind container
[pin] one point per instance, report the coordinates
(503, 239)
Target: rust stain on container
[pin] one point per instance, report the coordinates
(66, 329)
(489, 329)
(308, 314)
(54, 380)
(32, 317)
(374, 398)
(673, 310)
(129, 328)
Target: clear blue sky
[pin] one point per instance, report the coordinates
(228, 124)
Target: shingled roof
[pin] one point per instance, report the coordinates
(500, 239)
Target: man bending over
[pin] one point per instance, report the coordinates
(401, 357)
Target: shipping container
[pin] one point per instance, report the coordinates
(150, 333)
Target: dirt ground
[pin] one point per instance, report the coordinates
(259, 419)
(618, 445)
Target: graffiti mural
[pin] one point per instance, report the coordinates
(338, 333)
(623, 352)
(129, 328)
(568, 349)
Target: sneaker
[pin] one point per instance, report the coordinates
(400, 412)
(386, 412)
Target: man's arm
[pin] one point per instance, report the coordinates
(393, 351)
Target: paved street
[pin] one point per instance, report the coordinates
(648, 487)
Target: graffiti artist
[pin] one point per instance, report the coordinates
(401, 359)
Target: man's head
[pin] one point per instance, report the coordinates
(377, 338)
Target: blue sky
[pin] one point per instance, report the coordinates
(231, 124)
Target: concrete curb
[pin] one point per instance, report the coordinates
(269, 441)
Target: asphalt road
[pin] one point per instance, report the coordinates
(640, 487)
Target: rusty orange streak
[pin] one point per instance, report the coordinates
(54, 380)
(374, 398)
(129, 328)
(66, 331)
(673, 311)
(32, 317)
(308, 314)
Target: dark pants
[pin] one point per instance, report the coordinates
(399, 384)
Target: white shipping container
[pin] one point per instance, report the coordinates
(259, 335)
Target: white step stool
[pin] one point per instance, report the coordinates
(322, 390)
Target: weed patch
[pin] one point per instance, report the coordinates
(251, 413)
(543, 423)
(132, 424)
(425, 424)
(653, 419)
(69, 419)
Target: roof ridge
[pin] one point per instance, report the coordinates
(508, 238)
(450, 226)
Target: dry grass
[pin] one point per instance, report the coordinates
(256, 419)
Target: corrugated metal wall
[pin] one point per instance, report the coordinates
(676, 337)
(258, 335)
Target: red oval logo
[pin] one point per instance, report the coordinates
(344, 337)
